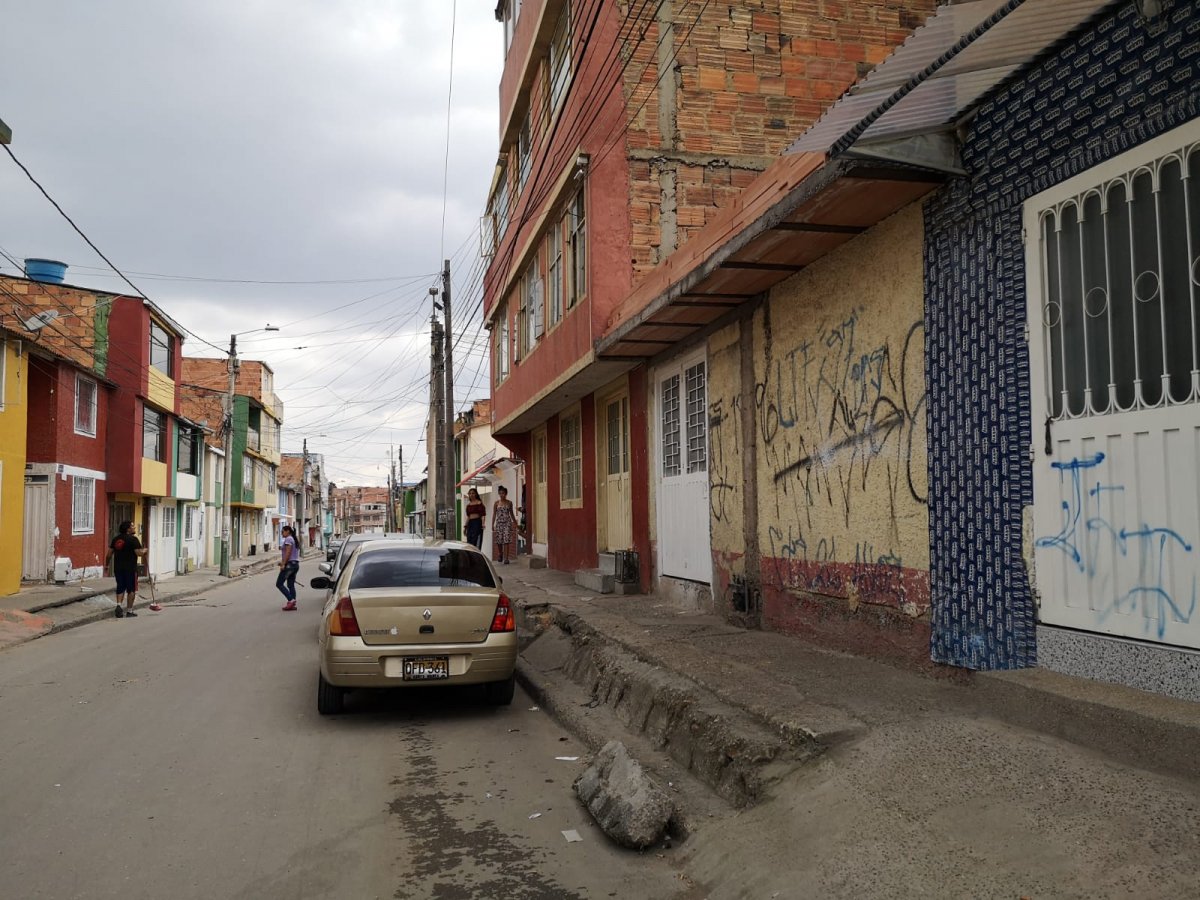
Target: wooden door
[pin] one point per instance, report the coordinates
(614, 482)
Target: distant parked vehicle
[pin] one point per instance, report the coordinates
(405, 614)
(351, 542)
(331, 551)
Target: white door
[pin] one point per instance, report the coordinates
(614, 479)
(681, 406)
(1115, 363)
(36, 564)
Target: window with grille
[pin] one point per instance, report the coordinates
(83, 505)
(154, 429)
(85, 405)
(697, 424)
(247, 473)
(531, 300)
(1120, 279)
(571, 457)
(189, 523)
(670, 426)
(168, 521)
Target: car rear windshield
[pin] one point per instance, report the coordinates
(421, 567)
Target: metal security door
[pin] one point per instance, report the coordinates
(618, 508)
(540, 505)
(1115, 364)
(36, 564)
(684, 544)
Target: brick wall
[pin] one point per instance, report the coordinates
(728, 91)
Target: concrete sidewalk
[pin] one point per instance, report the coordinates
(624, 651)
(40, 609)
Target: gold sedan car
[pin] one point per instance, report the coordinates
(407, 614)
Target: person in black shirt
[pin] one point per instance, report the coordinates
(124, 553)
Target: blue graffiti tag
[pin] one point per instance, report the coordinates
(1149, 544)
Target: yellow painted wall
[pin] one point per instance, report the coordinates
(841, 422)
(13, 424)
(160, 390)
(839, 432)
(154, 478)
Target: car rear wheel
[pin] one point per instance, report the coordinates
(331, 701)
(500, 693)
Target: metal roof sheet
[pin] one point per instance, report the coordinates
(944, 68)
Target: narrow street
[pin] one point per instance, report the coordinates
(180, 754)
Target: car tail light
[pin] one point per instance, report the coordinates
(342, 620)
(503, 620)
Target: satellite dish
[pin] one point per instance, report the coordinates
(40, 321)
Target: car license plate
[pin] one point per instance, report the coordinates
(425, 668)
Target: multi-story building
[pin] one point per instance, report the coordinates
(14, 415)
(624, 131)
(361, 510)
(256, 422)
(486, 466)
(134, 347)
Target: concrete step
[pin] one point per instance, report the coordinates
(608, 563)
(595, 580)
(571, 666)
(532, 562)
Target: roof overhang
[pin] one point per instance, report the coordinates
(490, 471)
(585, 377)
(889, 141)
(799, 209)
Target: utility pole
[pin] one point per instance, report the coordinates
(391, 501)
(227, 492)
(437, 430)
(451, 490)
(303, 499)
(403, 510)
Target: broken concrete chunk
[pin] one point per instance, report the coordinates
(622, 798)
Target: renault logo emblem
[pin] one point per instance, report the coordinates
(427, 615)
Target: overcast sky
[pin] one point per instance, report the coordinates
(268, 141)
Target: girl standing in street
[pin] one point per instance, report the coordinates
(504, 526)
(289, 567)
(476, 512)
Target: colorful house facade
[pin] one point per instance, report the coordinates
(14, 412)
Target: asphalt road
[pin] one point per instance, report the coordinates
(180, 754)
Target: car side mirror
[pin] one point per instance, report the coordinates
(321, 584)
(325, 567)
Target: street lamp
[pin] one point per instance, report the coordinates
(227, 492)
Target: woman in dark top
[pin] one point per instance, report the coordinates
(504, 528)
(476, 512)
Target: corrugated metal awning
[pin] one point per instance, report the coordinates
(944, 68)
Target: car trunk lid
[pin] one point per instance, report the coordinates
(425, 615)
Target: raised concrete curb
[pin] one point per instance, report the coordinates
(735, 754)
(623, 799)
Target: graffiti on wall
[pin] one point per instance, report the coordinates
(840, 421)
(1128, 569)
(724, 454)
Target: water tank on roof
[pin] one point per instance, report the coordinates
(51, 271)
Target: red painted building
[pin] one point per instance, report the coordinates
(624, 130)
(65, 471)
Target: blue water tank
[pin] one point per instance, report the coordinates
(50, 271)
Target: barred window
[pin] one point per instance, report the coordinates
(670, 427)
(1120, 278)
(168, 521)
(83, 505)
(85, 405)
(571, 457)
(697, 426)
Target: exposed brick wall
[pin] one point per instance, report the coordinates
(747, 78)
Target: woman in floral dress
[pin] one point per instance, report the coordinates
(504, 527)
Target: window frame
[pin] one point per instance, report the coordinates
(149, 413)
(570, 459)
(83, 521)
(575, 217)
(558, 64)
(166, 343)
(83, 429)
(168, 521)
(187, 463)
(554, 275)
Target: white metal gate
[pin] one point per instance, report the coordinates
(681, 404)
(1113, 281)
(35, 555)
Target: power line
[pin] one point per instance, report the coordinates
(449, 97)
